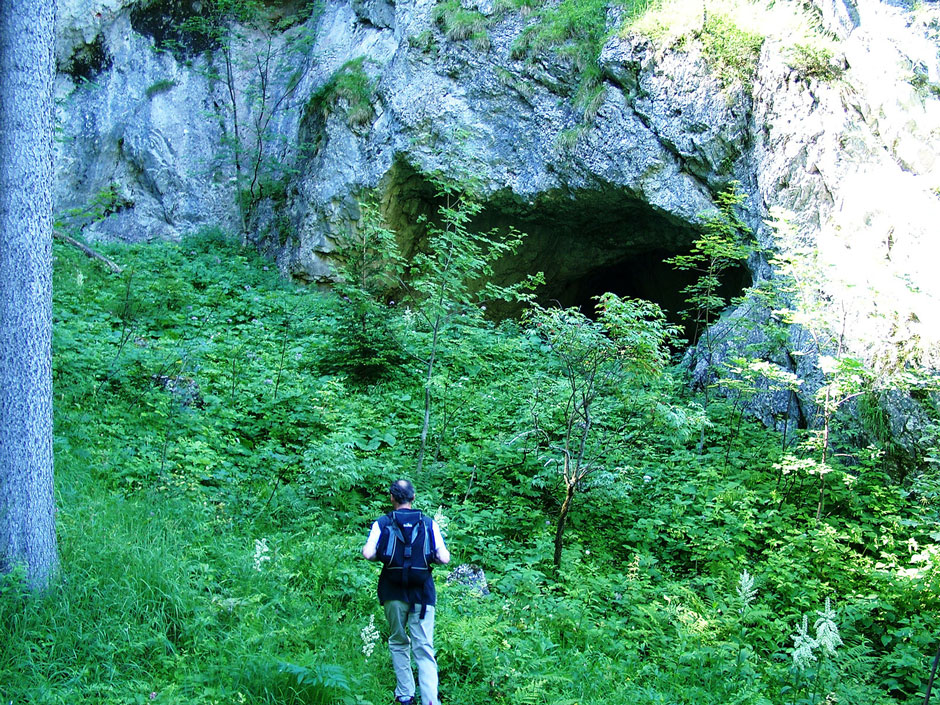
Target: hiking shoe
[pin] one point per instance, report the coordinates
(406, 701)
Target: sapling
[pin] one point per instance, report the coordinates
(260, 74)
(449, 280)
(724, 244)
(280, 361)
(744, 379)
(369, 267)
(804, 303)
(607, 359)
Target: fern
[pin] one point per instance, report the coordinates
(328, 677)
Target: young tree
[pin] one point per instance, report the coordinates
(723, 245)
(448, 282)
(803, 302)
(369, 265)
(744, 379)
(27, 70)
(600, 364)
(260, 70)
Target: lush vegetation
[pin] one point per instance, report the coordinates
(221, 451)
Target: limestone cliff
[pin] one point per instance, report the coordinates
(605, 187)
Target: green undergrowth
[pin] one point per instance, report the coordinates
(217, 473)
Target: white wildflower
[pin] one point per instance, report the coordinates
(633, 569)
(261, 553)
(647, 478)
(746, 590)
(827, 633)
(442, 520)
(369, 635)
(803, 646)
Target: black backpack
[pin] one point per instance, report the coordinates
(407, 547)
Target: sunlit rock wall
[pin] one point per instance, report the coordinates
(856, 162)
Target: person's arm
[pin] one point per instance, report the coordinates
(442, 555)
(370, 549)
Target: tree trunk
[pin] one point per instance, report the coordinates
(562, 520)
(27, 70)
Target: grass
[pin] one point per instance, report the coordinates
(814, 62)
(575, 30)
(161, 86)
(349, 89)
(460, 24)
(732, 34)
(164, 499)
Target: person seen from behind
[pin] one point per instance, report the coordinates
(408, 543)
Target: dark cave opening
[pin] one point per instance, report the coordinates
(643, 276)
(591, 242)
(647, 276)
(585, 242)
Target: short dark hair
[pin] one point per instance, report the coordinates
(402, 491)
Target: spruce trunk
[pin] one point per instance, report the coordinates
(27, 70)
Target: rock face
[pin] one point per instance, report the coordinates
(855, 163)
(375, 97)
(137, 120)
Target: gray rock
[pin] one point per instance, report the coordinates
(470, 576)
(840, 17)
(380, 13)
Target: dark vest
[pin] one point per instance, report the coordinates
(424, 595)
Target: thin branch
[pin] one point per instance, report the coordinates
(114, 267)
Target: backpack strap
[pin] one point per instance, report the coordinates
(430, 543)
(391, 537)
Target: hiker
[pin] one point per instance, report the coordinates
(406, 543)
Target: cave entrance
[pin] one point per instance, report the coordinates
(586, 242)
(646, 276)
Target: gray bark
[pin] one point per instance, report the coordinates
(27, 70)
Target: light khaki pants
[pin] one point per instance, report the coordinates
(402, 622)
